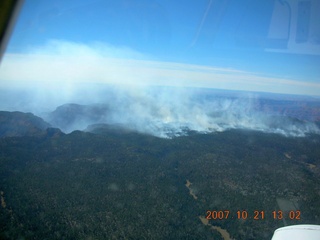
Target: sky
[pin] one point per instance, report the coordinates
(223, 44)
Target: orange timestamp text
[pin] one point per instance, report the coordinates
(255, 215)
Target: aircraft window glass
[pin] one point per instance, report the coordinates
(160, 119)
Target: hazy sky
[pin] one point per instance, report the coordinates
(226, 44)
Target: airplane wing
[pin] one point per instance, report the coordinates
(297, 232)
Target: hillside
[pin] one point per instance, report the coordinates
(69, 117)
(13, 124)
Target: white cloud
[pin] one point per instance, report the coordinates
(61, 63)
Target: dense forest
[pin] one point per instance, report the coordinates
(112, 184)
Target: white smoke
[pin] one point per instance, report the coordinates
(44, 77)
(170, 112)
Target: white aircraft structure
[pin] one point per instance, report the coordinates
(297, 232)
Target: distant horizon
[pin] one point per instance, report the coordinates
(28, 99)
(70, 64)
